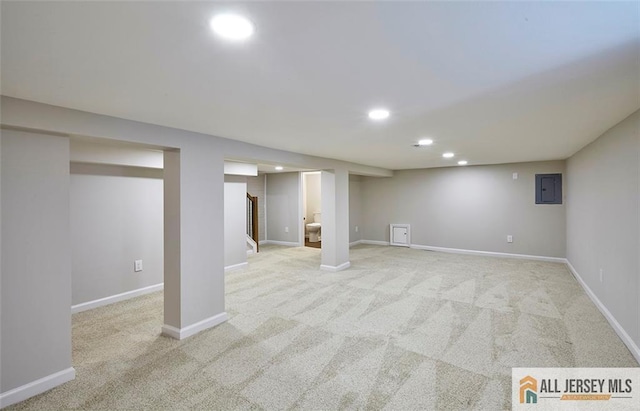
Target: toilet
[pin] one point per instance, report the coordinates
(314, 228)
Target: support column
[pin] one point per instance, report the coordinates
(35, 284)
(194, 240)
(335, 220)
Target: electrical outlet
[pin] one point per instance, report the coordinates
(137, 266)
(509, 239)
(601, 275)
(515, 176)
(286, 229)
(356, 229)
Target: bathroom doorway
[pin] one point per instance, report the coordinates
(311, 209)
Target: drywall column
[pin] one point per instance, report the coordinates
(36, 265)
(194, 240)
(335, 220)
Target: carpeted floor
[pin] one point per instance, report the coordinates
(402, 329)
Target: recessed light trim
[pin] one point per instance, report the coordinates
(448, 154)
(231, 26)
(279, 168)
(378, 114)
(463, 162)
(425, 142)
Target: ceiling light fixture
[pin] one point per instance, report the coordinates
(378, 114)
(231, 26)
(279, 168)
(448, 155)
(425, 142)
(462, 163)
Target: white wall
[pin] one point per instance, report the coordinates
(36, 259)
(235, 220)
(603, 222)
(116, 218)
(355, 208)
(283, 207)
(255, 187)
(471, 208)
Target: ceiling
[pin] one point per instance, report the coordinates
(492, 82)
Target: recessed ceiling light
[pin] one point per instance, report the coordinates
(462, 162)
(425, 142)
(379, 114)
(448, 155)
(231, 26)
(279, 168)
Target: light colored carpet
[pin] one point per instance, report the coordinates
(402, 329)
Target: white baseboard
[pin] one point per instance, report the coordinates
(489, 253)
(631, 345)
(235, 267)
(249, 252)
(36, 387)
(334, 269)
(262, 242)
(115, 298)
(374, 242)
(355, 243)
(188, 331)
(285, 243)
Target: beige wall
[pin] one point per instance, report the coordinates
(471, 208)
(603, 228)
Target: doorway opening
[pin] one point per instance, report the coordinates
(312, 209)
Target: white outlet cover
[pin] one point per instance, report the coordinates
(356, 229)
(137, 266)
(515, 176)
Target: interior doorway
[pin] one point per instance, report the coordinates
(312, 209)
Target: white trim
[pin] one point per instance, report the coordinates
(188, 331)
(249, 252)
(285, 243)
(626, 339)
(489, 253)
(36, 387)
(374, 242)
(355, 243)
(262, 242)
(334, 269)
(89, 305)
(236, 266)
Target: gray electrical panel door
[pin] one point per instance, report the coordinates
(548, 188)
